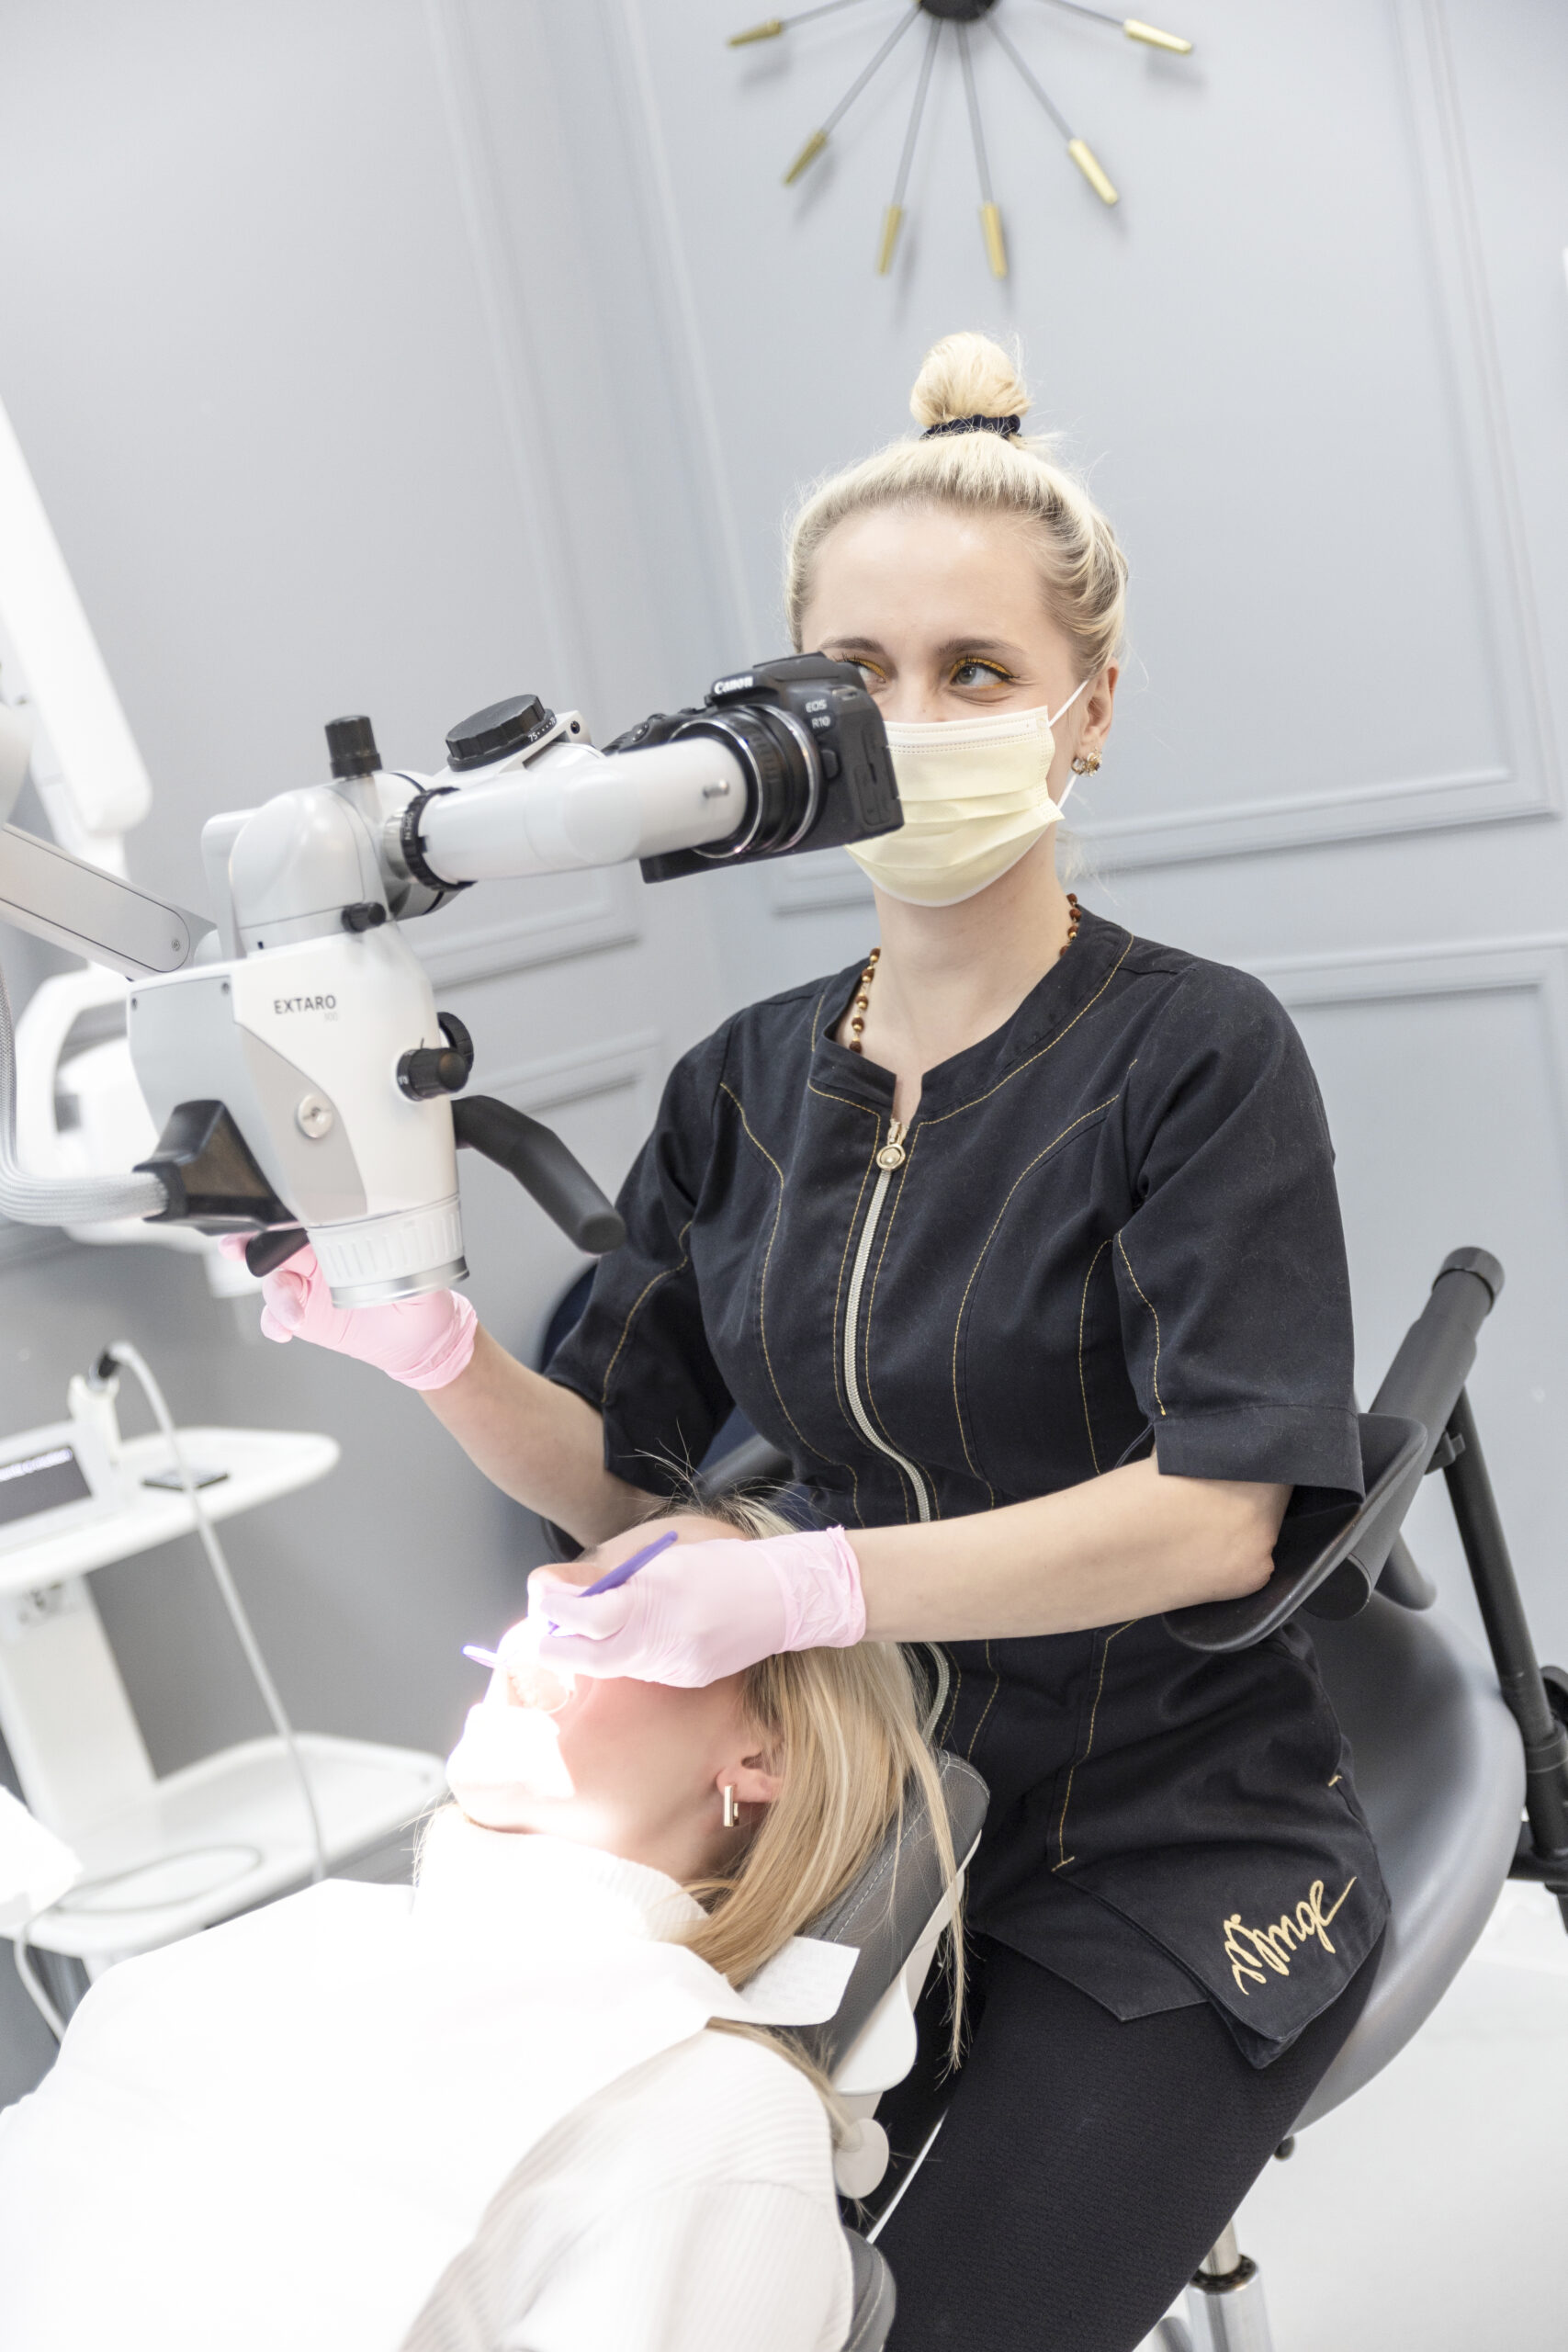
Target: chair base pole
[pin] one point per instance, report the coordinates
(1225, 2309)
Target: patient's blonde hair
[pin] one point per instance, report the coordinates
(844, 1730)
(1083, 570)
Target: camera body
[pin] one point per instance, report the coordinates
(811, 743)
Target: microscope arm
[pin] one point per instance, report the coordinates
(90, 913)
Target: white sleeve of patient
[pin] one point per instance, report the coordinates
(689, 2207)
(734, 2266)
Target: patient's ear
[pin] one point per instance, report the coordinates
(757, 1778)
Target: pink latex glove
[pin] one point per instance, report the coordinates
(425, 1342)
(701, 1611)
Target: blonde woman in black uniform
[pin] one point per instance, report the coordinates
(1021, 1239)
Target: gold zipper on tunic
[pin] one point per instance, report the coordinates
(892, 1156)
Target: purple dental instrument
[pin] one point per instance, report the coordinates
(610, 1582)
(629, 1568)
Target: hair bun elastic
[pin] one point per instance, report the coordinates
(1006, 425)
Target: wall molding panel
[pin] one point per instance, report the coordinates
(632, 1065)
(544, 538)
(604, 914)
(1525, 782)
(817, 882)
(1532, 965)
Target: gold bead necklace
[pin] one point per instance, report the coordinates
(863, 993)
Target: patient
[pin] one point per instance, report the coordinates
(491, 2120)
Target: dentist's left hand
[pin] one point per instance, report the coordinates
(702, 1611)
(422, 1342)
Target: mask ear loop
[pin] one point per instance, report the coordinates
(1051, 728)
(1068, 704)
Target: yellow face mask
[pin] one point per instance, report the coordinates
(975, 800)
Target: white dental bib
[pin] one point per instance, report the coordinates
(281, 2132)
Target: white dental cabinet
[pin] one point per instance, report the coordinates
(162, 1856)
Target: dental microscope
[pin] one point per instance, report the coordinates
(303, 1082)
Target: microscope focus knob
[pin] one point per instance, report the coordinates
(498, 731)
(430, 1071)
(351, 747)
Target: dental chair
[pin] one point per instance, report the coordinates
(894, 1914)
(1449, 1751)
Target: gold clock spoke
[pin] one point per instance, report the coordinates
(892, 219)
(772, 26)
(1081, 153)
(1133, 26)
(819, 138)
(990, 218)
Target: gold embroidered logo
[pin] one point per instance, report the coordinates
(1246, 1947)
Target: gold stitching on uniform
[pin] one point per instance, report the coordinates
(974, 1271)
(632, 1309)
(1277, 1945)
(1068, 1794)
(1049, 1047)
(827, 1094)
(996, 1686)
(725, 1088)
(1148, 1302)
(1083, 1387)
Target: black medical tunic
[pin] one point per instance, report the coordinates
(1113, 1218)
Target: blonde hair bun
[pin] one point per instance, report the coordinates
(1083, 572)
(968, 375)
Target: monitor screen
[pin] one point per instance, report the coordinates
(41, 1481)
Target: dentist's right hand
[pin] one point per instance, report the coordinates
(422, 1342)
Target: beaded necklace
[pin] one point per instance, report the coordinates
(863, 993)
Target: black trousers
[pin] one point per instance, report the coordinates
(1085, 2165)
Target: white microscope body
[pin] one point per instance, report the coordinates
(308, 1031)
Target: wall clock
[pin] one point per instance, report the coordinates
(958, 14)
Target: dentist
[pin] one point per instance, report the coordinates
(1019, 1239)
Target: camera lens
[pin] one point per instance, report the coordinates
(783, 779)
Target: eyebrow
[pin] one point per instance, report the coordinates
(997, 646)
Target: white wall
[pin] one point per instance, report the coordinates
(373, 354)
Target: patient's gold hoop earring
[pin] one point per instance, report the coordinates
(731, 1810)
(1085, 763)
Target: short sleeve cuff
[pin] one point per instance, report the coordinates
(1288, 1445)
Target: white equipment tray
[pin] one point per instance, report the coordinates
(231, 1832)
(261, 1464)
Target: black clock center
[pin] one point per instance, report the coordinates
(958, 12)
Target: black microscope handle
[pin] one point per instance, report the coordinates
(264, 1252)
(543, 1166)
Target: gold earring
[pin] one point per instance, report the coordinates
(1085, 763)
(731, 1810)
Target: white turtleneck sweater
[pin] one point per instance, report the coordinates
(688, 2207)
(493, 2122)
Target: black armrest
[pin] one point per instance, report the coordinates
(1325, 1561)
